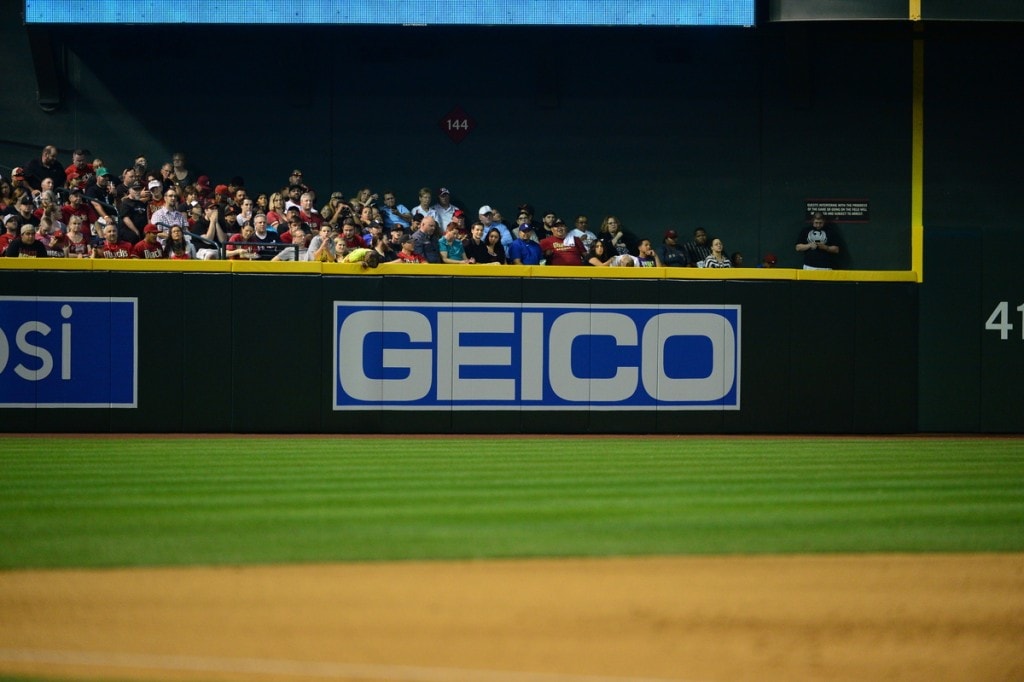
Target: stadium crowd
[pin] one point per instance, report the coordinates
(82, 210)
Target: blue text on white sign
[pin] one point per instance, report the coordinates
(475, 356)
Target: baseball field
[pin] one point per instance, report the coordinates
(511, 559)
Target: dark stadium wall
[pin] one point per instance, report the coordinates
(255, 353)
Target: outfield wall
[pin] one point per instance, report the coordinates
(233, 348)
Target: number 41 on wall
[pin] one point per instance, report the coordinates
(999, 320)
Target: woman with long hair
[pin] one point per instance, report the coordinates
(275, 214)
(600, 254)
(494, 250)
(717, 259)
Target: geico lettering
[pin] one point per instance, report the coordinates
(716, 329)
(451, 327)
(352, 349)
(432, 355)
(29, 346)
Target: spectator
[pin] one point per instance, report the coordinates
(209, 227)
(495, 249)
(558, 250)
(383, 249)
(99, 192)
(168, 214)
(395, 213)
(26, 211)
(295, 178)
(717, 258)
(648, 257)
(367, 257)
(672, 255)
(276, 218)
(309, 215)
(149, 247)
(77, 206)
(541, 230)
(242, 246)
(425, 207)
(395, 238)
(11, 223)
(294, 195)
(473, 245)
(77, 174)
(366, 197)
(134, 214)
(7, 197)
(246, 211)
(204, 189)
(321, 246)
(181, 175)
(112, 246)
(600, 254)
(407, 254)
(580, 231)
(424, 241)
(444, 210)
(351, 235)
(737, 259)
(19, 187)
(78, 243)
(375, 231)
(486, 214)
(266, 238)
(620, 241)
(167, 175)
(178, 245)
(52, 239)
(818, 244)
(299, 240)
(292, 221)
(525, 251)
(697, 249)
(128, 178)
(624, 260)
(336, 210)
(450, 247)
(27, 246)
(230, 216)
(769, 260)
(45, 166)
(524, 218)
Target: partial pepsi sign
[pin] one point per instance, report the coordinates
(68, 352)
(477, 356)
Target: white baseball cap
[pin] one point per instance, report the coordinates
(485, 209)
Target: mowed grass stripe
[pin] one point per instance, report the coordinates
(69, 502)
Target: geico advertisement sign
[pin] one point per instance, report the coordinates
(68, 352)
(545, 356)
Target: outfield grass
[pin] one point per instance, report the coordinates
(94, 502)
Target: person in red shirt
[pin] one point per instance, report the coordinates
(557, 251)
(243, 245)
(79, 170)
(10, 233)
(112, 247)
(408, 254)
(149, 246)
(77, 206)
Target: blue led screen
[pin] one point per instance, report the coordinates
(414, 12)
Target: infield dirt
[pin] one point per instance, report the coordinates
(871, 617)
